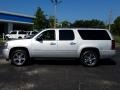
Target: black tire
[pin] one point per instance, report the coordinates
(19, 57)
(89, 58)
(6, 38)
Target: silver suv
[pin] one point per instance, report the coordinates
(87, 44)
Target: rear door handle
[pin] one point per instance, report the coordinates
(52, 43)
(72, 43)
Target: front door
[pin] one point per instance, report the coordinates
(45, 44)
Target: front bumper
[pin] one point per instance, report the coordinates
(6, 53)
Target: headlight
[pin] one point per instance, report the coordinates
(5, 45)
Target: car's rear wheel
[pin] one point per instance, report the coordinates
(89, 58)
(19, 37)
(19, 57)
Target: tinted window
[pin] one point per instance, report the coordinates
(22, 32)
(66, 35)
(94, 34)
(13, 32)
(34, 32)
(48, 35)
(28, 33)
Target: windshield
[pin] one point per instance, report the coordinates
(14, 32)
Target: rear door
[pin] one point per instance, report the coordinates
(22, 34)
(67, 43)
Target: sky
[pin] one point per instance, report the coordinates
(69, 10)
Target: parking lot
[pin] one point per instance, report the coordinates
(61, 75)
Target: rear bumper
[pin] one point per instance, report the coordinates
(107, 53)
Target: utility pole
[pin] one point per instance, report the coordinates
(55, 3)
(55, 15)
(110, 19)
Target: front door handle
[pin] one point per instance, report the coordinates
(52, 43)
(72, 43)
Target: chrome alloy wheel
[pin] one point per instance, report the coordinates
(89, 58)
(19, 58)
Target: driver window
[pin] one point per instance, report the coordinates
(48, 35)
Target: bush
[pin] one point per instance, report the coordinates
(117, 38)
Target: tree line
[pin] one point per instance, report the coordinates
(43, 21)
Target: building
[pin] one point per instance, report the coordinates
(14, 21)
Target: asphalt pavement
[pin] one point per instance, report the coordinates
(61, 75)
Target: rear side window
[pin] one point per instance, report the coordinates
(28, 33)
(34, 32)
(94, 35)
(66, 35)
(22, 32)
(14, 32)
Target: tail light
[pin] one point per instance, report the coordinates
(113, 45)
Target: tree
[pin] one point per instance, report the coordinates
(40, 20)
(51, 21)
(78, 23)
(89, 23)
(116, 26)
(65, 24)
(97, 23)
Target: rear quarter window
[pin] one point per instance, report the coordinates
(94, 35)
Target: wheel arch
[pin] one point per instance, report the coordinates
(19, 37)
(18, 48)
(91, 48)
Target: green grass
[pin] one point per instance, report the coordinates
(1, 41)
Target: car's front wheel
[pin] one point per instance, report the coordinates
(89, 58)
(19, 57)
